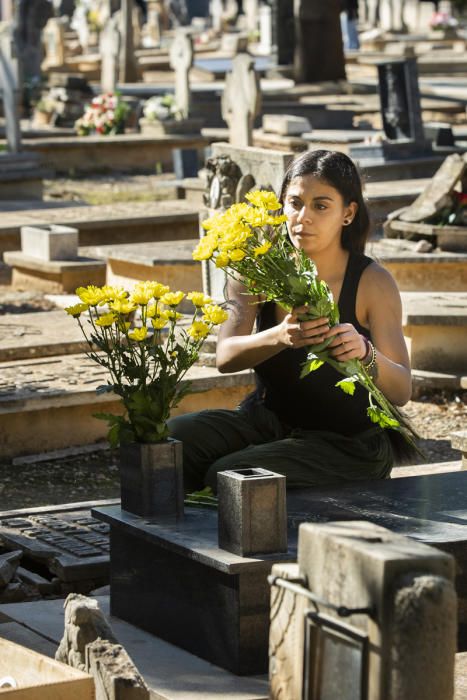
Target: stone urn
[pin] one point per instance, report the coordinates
(150, 127)
(151, 478)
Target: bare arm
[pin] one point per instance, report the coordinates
(238, 348)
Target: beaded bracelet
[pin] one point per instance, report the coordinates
(372, 361)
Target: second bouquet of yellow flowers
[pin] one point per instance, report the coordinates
(147, 346)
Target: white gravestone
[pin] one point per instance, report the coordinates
(53, 38)
(109, 48)
(216, 10)
(181, 60)
(9, 80)
(265, 30)
(251, 13)
(241, 100)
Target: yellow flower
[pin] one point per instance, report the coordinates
(138, 334)
(114, 293)
(172, 298)
(262, 249)
(198, 330)
(106, 320)
(265, 199)
(214, 314)
(222, 260)
(172, 315)
(198, 299)
(237, 254)
(123, 325)
(275, 220)
(159, 322)
(122, 306)
(158, 289)
(213, 222)
(205, 248)
(142, 293)
(76, 310)
(258, 217)
(91, 295)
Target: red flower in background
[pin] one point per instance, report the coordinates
(461, 198)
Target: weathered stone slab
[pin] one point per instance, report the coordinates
(436, 194)
(48, 404)
(115, 675)
(39, 334)
(460, 677)
(54, 276)
(459, 442)
(8, 564)
(415, 271)
(285, 124)
(108, 223)
(435, 328)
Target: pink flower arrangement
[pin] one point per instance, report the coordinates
(442, 21)
(105, 115)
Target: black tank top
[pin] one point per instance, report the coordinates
(314, 402)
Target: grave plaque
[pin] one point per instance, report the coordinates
(109, 47)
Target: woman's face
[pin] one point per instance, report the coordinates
(316, 213)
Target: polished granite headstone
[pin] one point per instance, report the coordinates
(170, 578)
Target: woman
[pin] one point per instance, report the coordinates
(307, 429)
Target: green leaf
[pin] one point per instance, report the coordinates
(311, 365)
(347, 385)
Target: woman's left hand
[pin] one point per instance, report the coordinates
(347, 343)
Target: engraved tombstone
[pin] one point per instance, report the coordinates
(400, 99)
(181, 60)
(241, 100)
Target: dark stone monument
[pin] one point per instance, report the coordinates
(401, 114)
(319, 51)
(283, 31)
(31, 18)
(172, 579)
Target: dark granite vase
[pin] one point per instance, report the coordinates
(151, 477)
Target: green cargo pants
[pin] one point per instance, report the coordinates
(217, 440)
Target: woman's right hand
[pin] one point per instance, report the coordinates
(293, 333)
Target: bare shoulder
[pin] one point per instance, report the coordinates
(376, 280)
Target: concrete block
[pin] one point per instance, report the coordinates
(252, 511)
(115, 675)
(51, 242)
(361, 565)
(285, 124)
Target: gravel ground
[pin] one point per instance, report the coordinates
(95, 475)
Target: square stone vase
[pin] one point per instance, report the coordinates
(170, 126)
(151, 478)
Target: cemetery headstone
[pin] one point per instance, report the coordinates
(241, 100)
(31, 18)
(53, 38)
(52, 242)
(109, 47)
(265, 29)
(251, 15)
(401, 114)
(216, 11)
(181, 60)
(319, 52)
(9, 79)
(284, 31)
(128, 69)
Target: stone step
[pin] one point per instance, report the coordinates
(169, 262)
(435, 271)
(435, 329)
(423, 381)
(48, 403)
(102, 224)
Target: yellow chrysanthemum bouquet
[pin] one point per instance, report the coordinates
(249, 241)
(147, 346)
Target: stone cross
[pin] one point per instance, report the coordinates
(181, 60)
(9, 80)
(241, 100)
(109, 48)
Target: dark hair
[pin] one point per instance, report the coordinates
(340, 172)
